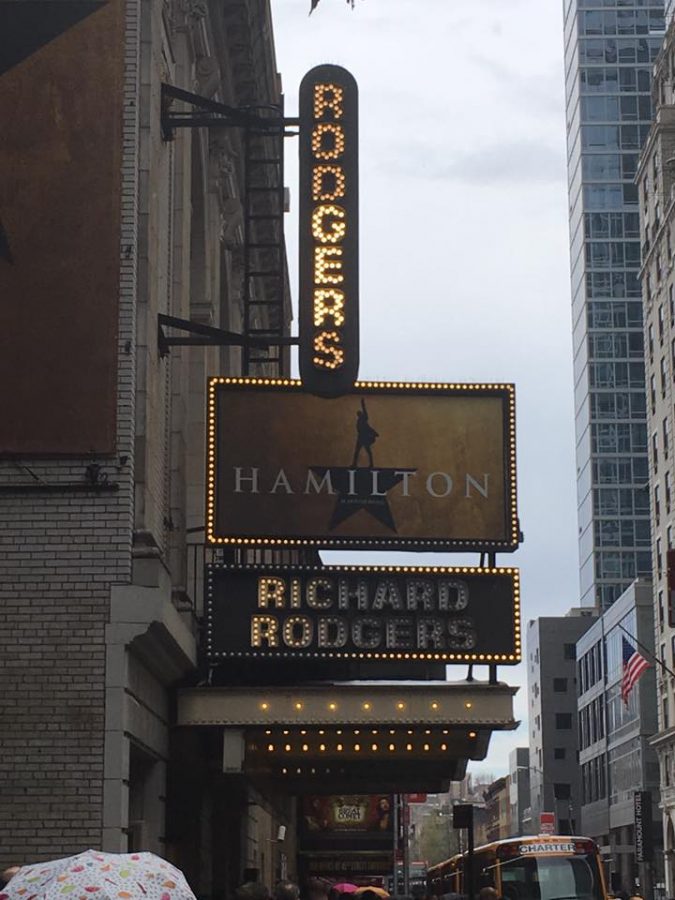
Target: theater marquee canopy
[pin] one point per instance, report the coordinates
(390, 465)
(353, 736)
(458, 614)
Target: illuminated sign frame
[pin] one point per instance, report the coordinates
(305, 611)
(224, 518)
(329, 231)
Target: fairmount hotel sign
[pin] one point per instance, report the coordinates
(390, 465)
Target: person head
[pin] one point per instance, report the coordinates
(368, 895)
(252, 890)
(286, 890)
(317, 889)
(488, 893)
(7, 874)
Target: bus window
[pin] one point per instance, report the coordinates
(551, 878)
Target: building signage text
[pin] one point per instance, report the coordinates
(328, 217)
(388, 466)
(457, 614)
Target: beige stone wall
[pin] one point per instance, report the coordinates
(656, 182)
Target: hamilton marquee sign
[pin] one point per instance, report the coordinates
(453, 614)
(389, 465)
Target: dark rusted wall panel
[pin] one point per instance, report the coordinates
(60, 195)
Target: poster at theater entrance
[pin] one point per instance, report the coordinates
(354, 821)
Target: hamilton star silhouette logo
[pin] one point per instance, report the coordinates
(363, 487)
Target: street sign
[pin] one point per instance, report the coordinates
(329, 231)
(388, 466)
(458, 614)
(644, 838)
(547, 823)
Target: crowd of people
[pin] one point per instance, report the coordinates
(315, 889)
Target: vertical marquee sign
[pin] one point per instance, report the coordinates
(329, 231)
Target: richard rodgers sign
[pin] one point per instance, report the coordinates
(413, 466)
(458, 614)
(329, 231)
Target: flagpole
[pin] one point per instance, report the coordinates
(658, 661)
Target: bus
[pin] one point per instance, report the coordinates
(533, 867)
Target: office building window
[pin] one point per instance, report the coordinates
(558, 753)
(664, 376)
(560, 685)
(659, 557)
(562, 791)
(657, 503)
(666, 437)
(563, 721)
(570, 651)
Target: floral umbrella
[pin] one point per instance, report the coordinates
(99, 876)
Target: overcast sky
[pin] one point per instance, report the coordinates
(464, 241)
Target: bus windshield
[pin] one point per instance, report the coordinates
(551, 878)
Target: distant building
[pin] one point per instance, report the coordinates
(552, 696)
(497, 809)
(519, 789)
(656, 184)
(609, 53)
(615, 757)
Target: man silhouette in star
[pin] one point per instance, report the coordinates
(365, 435)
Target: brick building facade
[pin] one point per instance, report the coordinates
(100, 550)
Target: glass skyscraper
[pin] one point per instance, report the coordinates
(609, 49)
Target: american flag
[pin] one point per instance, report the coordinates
(634, 666)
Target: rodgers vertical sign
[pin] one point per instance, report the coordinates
(329, 231)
